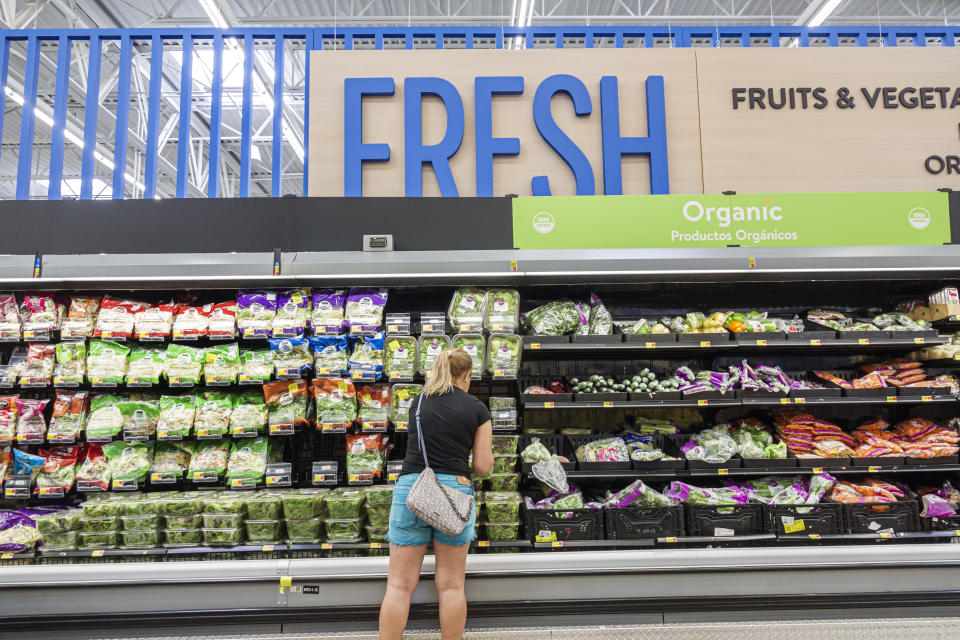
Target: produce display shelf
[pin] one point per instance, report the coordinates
(533, 349)
(734, 402)
(679, 474)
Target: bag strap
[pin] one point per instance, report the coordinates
(423, 449)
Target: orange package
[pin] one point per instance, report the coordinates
(880, 368)
(829, 377)
(831, 449)
(869, 381)
(901, 363)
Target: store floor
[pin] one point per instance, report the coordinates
(930, 628)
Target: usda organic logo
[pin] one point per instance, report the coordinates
(919, 218)
(543, 222)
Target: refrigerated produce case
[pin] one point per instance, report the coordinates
(684, 563)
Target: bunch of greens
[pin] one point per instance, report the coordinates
(601, 322)
(556, 318)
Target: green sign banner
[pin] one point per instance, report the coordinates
(747, 220)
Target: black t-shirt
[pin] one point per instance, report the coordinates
(449, 422)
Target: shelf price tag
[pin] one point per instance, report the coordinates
(483, 543)
(885, 535)
(926, 398)
(535, 345)
(761, 343)
(817, 470)
(6, 555)
(873, 469)
(650, 345)
(324, 473)
(607, 404)
(919, 340)
(376, 545)
(548, 405)
(863, 341)
(703, 403)
(722, 472)
(326, 546)
(784, 400)
(556, 543)
(799, 400)
(705, 343)
(671, 539)
(393, 470)
(814, 343)
(891, 398)
(278, 474)
(267, 547)
(793, 527)
(401, 426)
(814, 536)
(97, 554)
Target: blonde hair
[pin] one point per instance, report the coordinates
(450, 365)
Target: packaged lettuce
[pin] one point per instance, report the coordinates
(505, 463)
(502, 313)
(287, 402)
(249, 457)
(231, 536)
(255, 312)
(344, 503)
(293, 313)
(303, 530)
(377, 534)
(364, 310)
(553, 319)
(180, 504)
(129, 461)
(601, 322)
(401, 399)
(58, 470)
(99, 524)
(176, 415)
(8, 417)
(506, 445)
(431, 346)
(146, 539)
(221, 520)
(38, 312)
(210, 457)
(344, 530)
(335, 399)
(291, 355)
(265, 505)
(155, 321)
(504, 481)
(172, 457)
(192, 321)
(100, 506)
(71, 363)
(31, 425)
(98, 540)
(264, 530)
(256, 364)
(328, 309)
(140, 523)
(502, 506)
(467, 309)
(223, 319)
(212, 416)
(146, 364)
(95, 467)
(400, 357)
(503, 355)
(221, 363)
(374, 401)
(502, 531)
(182, 537)
(139, 417)
(249, 414)
(303, 503)
(475, 346)
(535, 452)
(378, 515)
(107, 361)
(367, 354)
(105, 420)
(379, 495)
(331, 354)
(79, 320)
(366, 455)
(70, 410)
(183, 364)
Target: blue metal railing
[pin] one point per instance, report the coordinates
(313, 39)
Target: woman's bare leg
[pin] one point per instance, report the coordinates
(402, 578)
(451, 566)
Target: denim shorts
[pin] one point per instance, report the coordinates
(407, 529)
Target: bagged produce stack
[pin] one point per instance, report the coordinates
(59, 529)
(264, 524)
(303, 512)
(808, 437)
(504, 476)
(378, 500)
(100, 523)
(345, 516)
(223, 515)
(182, 519)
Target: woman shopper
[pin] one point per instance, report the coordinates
(453, 423)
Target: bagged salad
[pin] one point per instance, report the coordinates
(401, 399)
(367, 455)
(400, 357)
(367, 354)
(183, 364)
(221, 362)
(212, 416)
(503, 355)
(291, 356)
(712, 445)
(475, 345)
(502, 312)
(255, 312)
(210, 458)
(430, 347)
(95, 467)
(8, 418)
(39, 363)
(553, 319)
(364, 310)
(138, 417)
(155, 321)
(603, 450)
(172, 457)
(105, 420)
(601, 322)
(26, 464)
(31, 425)
(249, 413)
(293, 313)
(287, 402)
(9, 316)
(69, 414)
(467, 309)
(223, 320)
(129, 461)
(249, 457)
(58, 470)
(176, 416)
(328, 311)
(192, 322)
(38, 313)
(107, 361)
(331, 355)
(145, 364)
(336, 401)
(256, 364)
(70, 363)
(374, 401)
(117, 316)
(18, 532)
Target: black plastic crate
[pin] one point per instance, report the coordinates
(606, 396)
(881, 517)
(879, 461)
(911, 336)
(725, 520)
(612, 338)
(822, 518)
(751, 338)
(825, 463)
(650, 337)
(545, 339)
(643, 522)
(709, 395)
(822, 334)
(657, 396)
(542, 381)
(562, 525)
(771, 463)
(760, 394)
(916, 392)
(579, 440)
(834, 392)
(951, 523)
(854, 337)
(924, 462)
(555, 443)
(712, 338)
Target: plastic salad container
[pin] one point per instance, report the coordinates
(379, 515)
(229, 536)
(502, 531)
(265, 506)
(222, 520)
(505, 445)
(141, 539)
(223, 503)
(140, 523)
(182, 537)
(502, 506)
(504, 481)
(475, 346)
(430, 347)
(376, 534)
(63, 541)
(58, 521)
(101, 506)
(505, 463)
(184, 522)
(264, 530)
(140, 507)
(97, 539)
(303, 529)
(303, 503)
(344, 504)
(180, 505)
(379, 494)
(97, 525)
(348, 530)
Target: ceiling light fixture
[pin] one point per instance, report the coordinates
(212, 9)
(823, 13)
